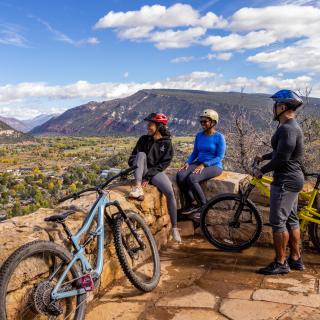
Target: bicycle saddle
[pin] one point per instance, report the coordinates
(59, 217)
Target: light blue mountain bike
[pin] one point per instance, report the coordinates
(43, 280)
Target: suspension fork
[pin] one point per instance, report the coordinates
(121, 214)
(244, 195)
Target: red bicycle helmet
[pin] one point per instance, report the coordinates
(157, 118)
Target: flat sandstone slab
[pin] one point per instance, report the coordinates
(236, 309)
(293, 298)
(194, 297)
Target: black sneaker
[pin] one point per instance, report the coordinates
(189, 210)
(296, 264)
(196, 216)
(275, 268)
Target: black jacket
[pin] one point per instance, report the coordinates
(159, 154)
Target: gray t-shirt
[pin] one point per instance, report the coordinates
(287, 156)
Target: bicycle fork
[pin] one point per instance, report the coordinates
(243, 198)
(122, 215)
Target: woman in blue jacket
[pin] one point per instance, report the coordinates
(204, 163)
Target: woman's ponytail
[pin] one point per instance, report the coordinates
(164, 131)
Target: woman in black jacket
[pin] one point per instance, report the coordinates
(152, 155)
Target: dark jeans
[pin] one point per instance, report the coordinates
(189, 183)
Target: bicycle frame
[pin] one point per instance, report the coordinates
(306, 214)
(98, 209)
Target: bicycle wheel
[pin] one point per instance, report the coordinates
(314, 234)
(230, 225)
(140, 263)
(27, 278)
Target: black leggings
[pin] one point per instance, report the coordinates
(161, 181)
(189, 183)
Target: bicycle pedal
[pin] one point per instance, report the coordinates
(87, 283)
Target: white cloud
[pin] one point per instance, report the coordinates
(135, 32)
(220, 56)
(158, 16)
(183, 59)
(10, 34)
(226, 56)
(60, 36)
(177, 39)
(27, 112)
(181, 26)
(313, 3)
(288, 21)
(23, 94)
(177, 26)
(235, 41)
(196, 75)
(299, 82)
(303, 55)
(92, 40)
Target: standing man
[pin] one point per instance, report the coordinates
(288, 179)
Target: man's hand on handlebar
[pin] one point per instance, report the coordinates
(257, 173)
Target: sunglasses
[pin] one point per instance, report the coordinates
(203, 121)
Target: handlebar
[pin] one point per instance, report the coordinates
(76, 195)
(255, 166)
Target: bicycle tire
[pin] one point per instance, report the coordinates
(145, 286)
(27, 250)
(314, 234)
(229, 244)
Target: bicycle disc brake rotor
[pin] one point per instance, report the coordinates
(42, 300)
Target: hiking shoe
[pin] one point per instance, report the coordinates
(296, 264)
(189, 210)
(196, 216)
(137, 193)
(176, 235)
(275, 268)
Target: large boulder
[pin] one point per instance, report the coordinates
(227, 182)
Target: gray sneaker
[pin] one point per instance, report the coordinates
(137, 193)
(176, 235)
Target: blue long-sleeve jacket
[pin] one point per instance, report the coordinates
(209, 150)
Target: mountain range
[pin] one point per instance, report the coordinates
(10, 135)
(29, 124)
(125, 115)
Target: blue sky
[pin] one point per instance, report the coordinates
(57, 54)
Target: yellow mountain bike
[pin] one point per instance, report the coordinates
(232, 222)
